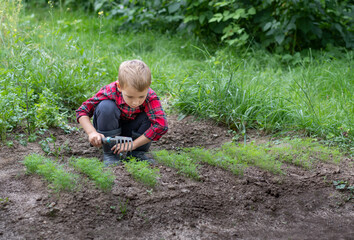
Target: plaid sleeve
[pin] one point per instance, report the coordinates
(157, 117)
(88, 107)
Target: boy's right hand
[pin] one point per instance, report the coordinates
(95, 139)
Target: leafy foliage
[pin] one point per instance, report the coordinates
(282, 26)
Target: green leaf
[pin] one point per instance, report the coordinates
(267, 26)
(190, 18)
(217, 17)
(252, 11)
(174, 7)
(202, 18)
(279, 38)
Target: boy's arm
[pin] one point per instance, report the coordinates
(94, 136)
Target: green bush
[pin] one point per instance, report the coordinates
(291, 25)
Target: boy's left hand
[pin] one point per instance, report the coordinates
(120, 148)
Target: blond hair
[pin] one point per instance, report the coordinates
(134, 73)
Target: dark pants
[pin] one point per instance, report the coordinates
(106, 118)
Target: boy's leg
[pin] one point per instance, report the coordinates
(135, 129)
(106, 121)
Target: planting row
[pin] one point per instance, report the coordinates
(231, 157)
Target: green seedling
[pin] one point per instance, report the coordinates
(95, 170)
(344, 186)
(182, 162)
(33, 161)
(304, 152)
(123, 209)
(4, 202)
(216, 158)
(9, 143)
(252, 155)
(142, 172)
(59, 178)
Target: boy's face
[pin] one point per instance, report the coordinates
(133, 97)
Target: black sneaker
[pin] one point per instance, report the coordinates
(109, 158)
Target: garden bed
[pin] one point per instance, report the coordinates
(299, 204)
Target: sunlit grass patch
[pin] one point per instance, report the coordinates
(180, 161)
(142, 172)
(95, 170)
(59, 178)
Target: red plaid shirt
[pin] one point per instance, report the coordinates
(151, 106)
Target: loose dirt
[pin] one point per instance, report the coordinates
(302, 204)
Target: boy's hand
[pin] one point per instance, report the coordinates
(95, 139)
(120, 148)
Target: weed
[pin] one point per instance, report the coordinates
(123, 208)
(141, 171)
(345, 187)
(95, 170)
(4, 202)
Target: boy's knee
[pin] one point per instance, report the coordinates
(106, 107)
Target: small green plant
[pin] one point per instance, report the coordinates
(142, 172)
(33, 161)
(55, 150)
(123, 208)
(344, 186)
(4, 201)
(304, 152)
(253, 155)
(95, 170)
(180, 161)
(59, 178)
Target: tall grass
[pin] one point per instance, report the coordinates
(70, 55)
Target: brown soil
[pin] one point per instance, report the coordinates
(302, 204)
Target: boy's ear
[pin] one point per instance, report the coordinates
(118, 86)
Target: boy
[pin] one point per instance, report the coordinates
(127, 107)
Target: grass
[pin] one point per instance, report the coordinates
(59, 178)
(95, 170)
(57, 59)
(142, 172)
